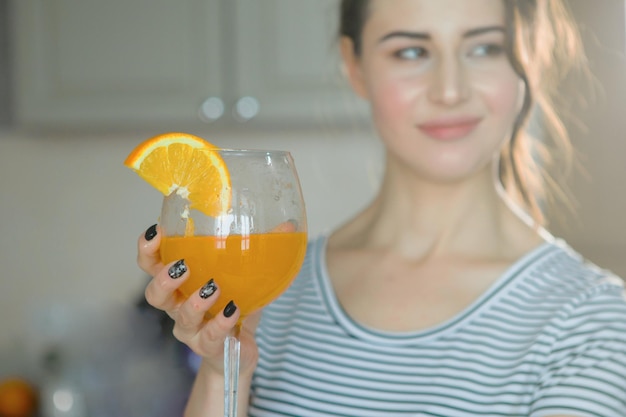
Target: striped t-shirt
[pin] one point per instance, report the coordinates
(548, 338)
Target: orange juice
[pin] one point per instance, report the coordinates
(251, 270)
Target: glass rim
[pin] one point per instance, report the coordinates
(250, 151)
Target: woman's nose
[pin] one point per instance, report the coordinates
(449, 85)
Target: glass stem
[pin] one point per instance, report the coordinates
(231, 373)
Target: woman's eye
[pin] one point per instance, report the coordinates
(487, 50)
(412, 53)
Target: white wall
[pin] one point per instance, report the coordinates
(598, 129)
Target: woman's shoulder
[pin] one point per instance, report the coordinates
(568, 272)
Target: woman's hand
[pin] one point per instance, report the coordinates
(204, 337)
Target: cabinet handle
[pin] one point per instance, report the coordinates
(211, 109)
(246, 108)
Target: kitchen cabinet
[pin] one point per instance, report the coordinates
(287, 56)
(135, 63)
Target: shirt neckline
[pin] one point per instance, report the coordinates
(360, 331)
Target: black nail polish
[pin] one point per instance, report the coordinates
(151, 232)
(208, 289)
(177, 270)
(230, 309)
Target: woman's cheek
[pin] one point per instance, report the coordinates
(504, 97)
(394, 101)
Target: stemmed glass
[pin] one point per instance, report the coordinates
(253, 250)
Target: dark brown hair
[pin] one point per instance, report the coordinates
(543, 45)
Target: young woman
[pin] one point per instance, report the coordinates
(446, 296)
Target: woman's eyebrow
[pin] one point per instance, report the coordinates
(427, 36)
(481, 30)
(405, 34)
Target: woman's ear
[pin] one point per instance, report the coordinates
(351, 66)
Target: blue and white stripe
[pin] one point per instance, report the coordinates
(548, 338)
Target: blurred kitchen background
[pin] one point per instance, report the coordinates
(82, 82)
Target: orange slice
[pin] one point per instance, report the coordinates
(187, 165)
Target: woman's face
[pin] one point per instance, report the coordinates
(443, 94)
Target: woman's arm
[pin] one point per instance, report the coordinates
(207, 395)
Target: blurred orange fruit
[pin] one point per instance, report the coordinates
(18, 398)
(187, 165)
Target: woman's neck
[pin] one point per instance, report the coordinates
(419, 219)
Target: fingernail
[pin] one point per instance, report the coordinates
(230, 309)
(208, 289)
(151, 232)
(177, 270)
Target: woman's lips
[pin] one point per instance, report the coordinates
(449, 129)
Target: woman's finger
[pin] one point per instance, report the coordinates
(161, 290)
(190, 316)
(209, 341)
(148, 256)
(286, 227)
